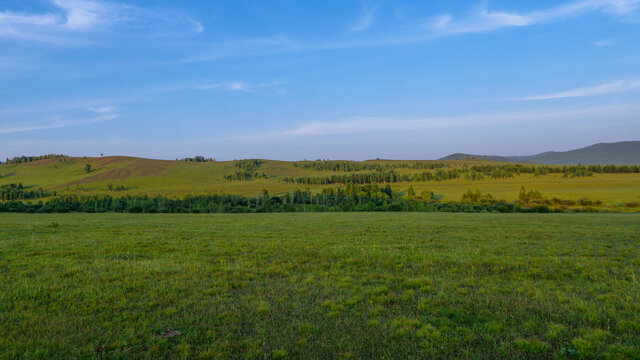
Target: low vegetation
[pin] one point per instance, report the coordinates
(323, 286)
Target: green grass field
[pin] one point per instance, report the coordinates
(176, 178)
(326, 286)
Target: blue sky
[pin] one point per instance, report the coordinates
(316, 79)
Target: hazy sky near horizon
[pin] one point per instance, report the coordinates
(342, 79)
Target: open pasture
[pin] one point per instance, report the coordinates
(334, 285)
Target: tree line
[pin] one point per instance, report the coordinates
(198, 158)
(25, 159)
(352, 166)
(567, 170)
(10, 192)
(473, 173)
(370, 197)
(375, 177)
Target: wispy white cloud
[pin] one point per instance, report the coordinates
(197, 26)
(62, 105)
(239, 86)
(9, 17)
(57, 123)
(614, 41)
(482, 20)
(602, 89)
(70, 17)
(366, 18)
(363, 124)
(442, 25)
(83, 14)
(230, 86)
(203, 87)
(605, 42)
(242, 47)
(103, 109)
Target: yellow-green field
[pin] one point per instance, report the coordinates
(177, 178)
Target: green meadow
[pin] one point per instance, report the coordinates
(323, 286)
(178, 178)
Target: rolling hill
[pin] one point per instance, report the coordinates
(121, 176)
(619, 153)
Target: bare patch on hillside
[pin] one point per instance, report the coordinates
(108, 160)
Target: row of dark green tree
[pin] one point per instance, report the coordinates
(474, 173)
(350, 166)
(9, 192)
(376, 177)
(25, 159)
(349, 198)
(493, 170)
(535, 198)
(568, 170)
(198, 158)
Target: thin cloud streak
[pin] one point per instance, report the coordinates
(231, 86)
(243, 47)
(66, 105)
(103, 109)
(106, 105)
(602, 89)
(366, 20)
(488, 20)
(58, 124)
(361, 125)
(606, 42)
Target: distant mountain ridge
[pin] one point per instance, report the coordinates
(618, 153)
(462, 156)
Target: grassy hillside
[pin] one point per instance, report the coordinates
(176, 178)
(619, 153)
(322, 286)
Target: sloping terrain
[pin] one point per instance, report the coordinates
(619, 153)
(119, 176)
